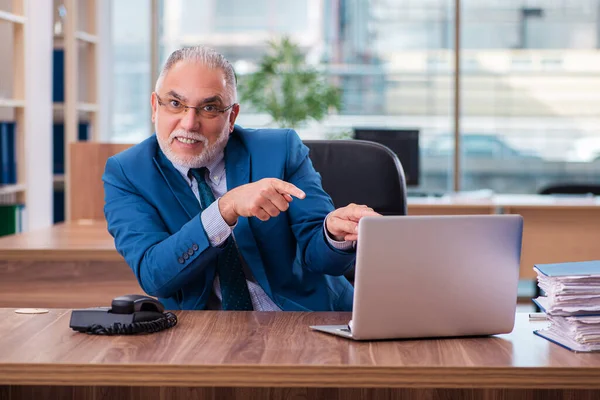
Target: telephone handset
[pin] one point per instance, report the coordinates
(135, 303)
(128, 314)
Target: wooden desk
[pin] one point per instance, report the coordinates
(275, 355)
(76, 265)
(66, 265)
(556, 229)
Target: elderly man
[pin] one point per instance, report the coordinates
(210, 215)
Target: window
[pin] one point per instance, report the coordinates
(530, 84)
(131, 71)
(542, 105)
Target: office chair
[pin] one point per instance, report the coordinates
(361, 172)
(572, 188)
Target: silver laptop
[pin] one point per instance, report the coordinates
(434, 276)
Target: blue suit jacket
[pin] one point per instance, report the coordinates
(154, 218)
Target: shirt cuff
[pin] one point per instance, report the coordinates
(346, 245)
(214, 225)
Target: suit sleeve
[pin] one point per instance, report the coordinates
(307, 215)
(162, 262)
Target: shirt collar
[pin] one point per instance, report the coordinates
(215, 167)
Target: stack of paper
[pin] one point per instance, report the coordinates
(572, 303)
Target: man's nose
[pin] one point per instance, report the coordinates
(190, 120)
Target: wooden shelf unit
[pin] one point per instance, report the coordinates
(16, 17)
(80, 42)
(29, 33)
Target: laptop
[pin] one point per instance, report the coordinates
(434, 276)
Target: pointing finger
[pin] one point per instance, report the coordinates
(287, 188)
(276, 198)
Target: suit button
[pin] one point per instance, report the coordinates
(194, 247)
(181, 260)
(190, 251)
(186, 256)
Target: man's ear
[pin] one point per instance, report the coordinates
(235, 110)
(154, 105)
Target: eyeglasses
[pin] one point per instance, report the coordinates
(174, 106)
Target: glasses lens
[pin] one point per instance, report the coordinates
(175, 107)
(209, 114)
(210, 111)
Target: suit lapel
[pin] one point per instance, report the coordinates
(179, 187)
(237, 164)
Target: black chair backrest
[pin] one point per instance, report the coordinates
(361, 172)
(572, 188)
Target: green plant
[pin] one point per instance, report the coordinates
(287, 88)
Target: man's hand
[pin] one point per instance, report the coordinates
(342, 224)
(263, 199)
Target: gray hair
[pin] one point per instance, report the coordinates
(205, 56)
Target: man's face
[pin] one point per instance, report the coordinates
(187, 137)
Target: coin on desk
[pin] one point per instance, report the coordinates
(31, 311)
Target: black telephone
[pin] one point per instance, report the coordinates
(127, 315)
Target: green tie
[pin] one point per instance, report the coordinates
(234, 289)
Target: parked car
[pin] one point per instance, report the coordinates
(476, 146)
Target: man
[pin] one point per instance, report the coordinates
(213, 216)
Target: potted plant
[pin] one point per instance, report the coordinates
(287, 88)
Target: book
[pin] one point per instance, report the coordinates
(576, 333)
(570, 269)
(59, 206)
(8, 161)
(11, 219)
(58, 76)
(58, 144)
(572, 304)
(570, 288)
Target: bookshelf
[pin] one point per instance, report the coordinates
(77, 111)
(25, 113)
(12, 102)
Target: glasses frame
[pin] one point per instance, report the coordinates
(197, 109)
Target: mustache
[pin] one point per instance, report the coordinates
(187, 135)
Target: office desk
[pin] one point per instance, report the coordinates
(275, 355)
(67, 265)
(556, 229)
(37, 268)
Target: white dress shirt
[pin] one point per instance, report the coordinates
(218, 231)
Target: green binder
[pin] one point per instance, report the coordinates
(10, 219)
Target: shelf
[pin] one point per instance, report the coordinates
(8, 189)
(79, 35)
(14, 18)
(12, 103)
(87, 107)
(86, 37)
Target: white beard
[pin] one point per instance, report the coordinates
(209, 152)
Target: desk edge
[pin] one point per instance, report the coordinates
(298, 376)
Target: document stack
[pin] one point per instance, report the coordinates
(572, 304)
